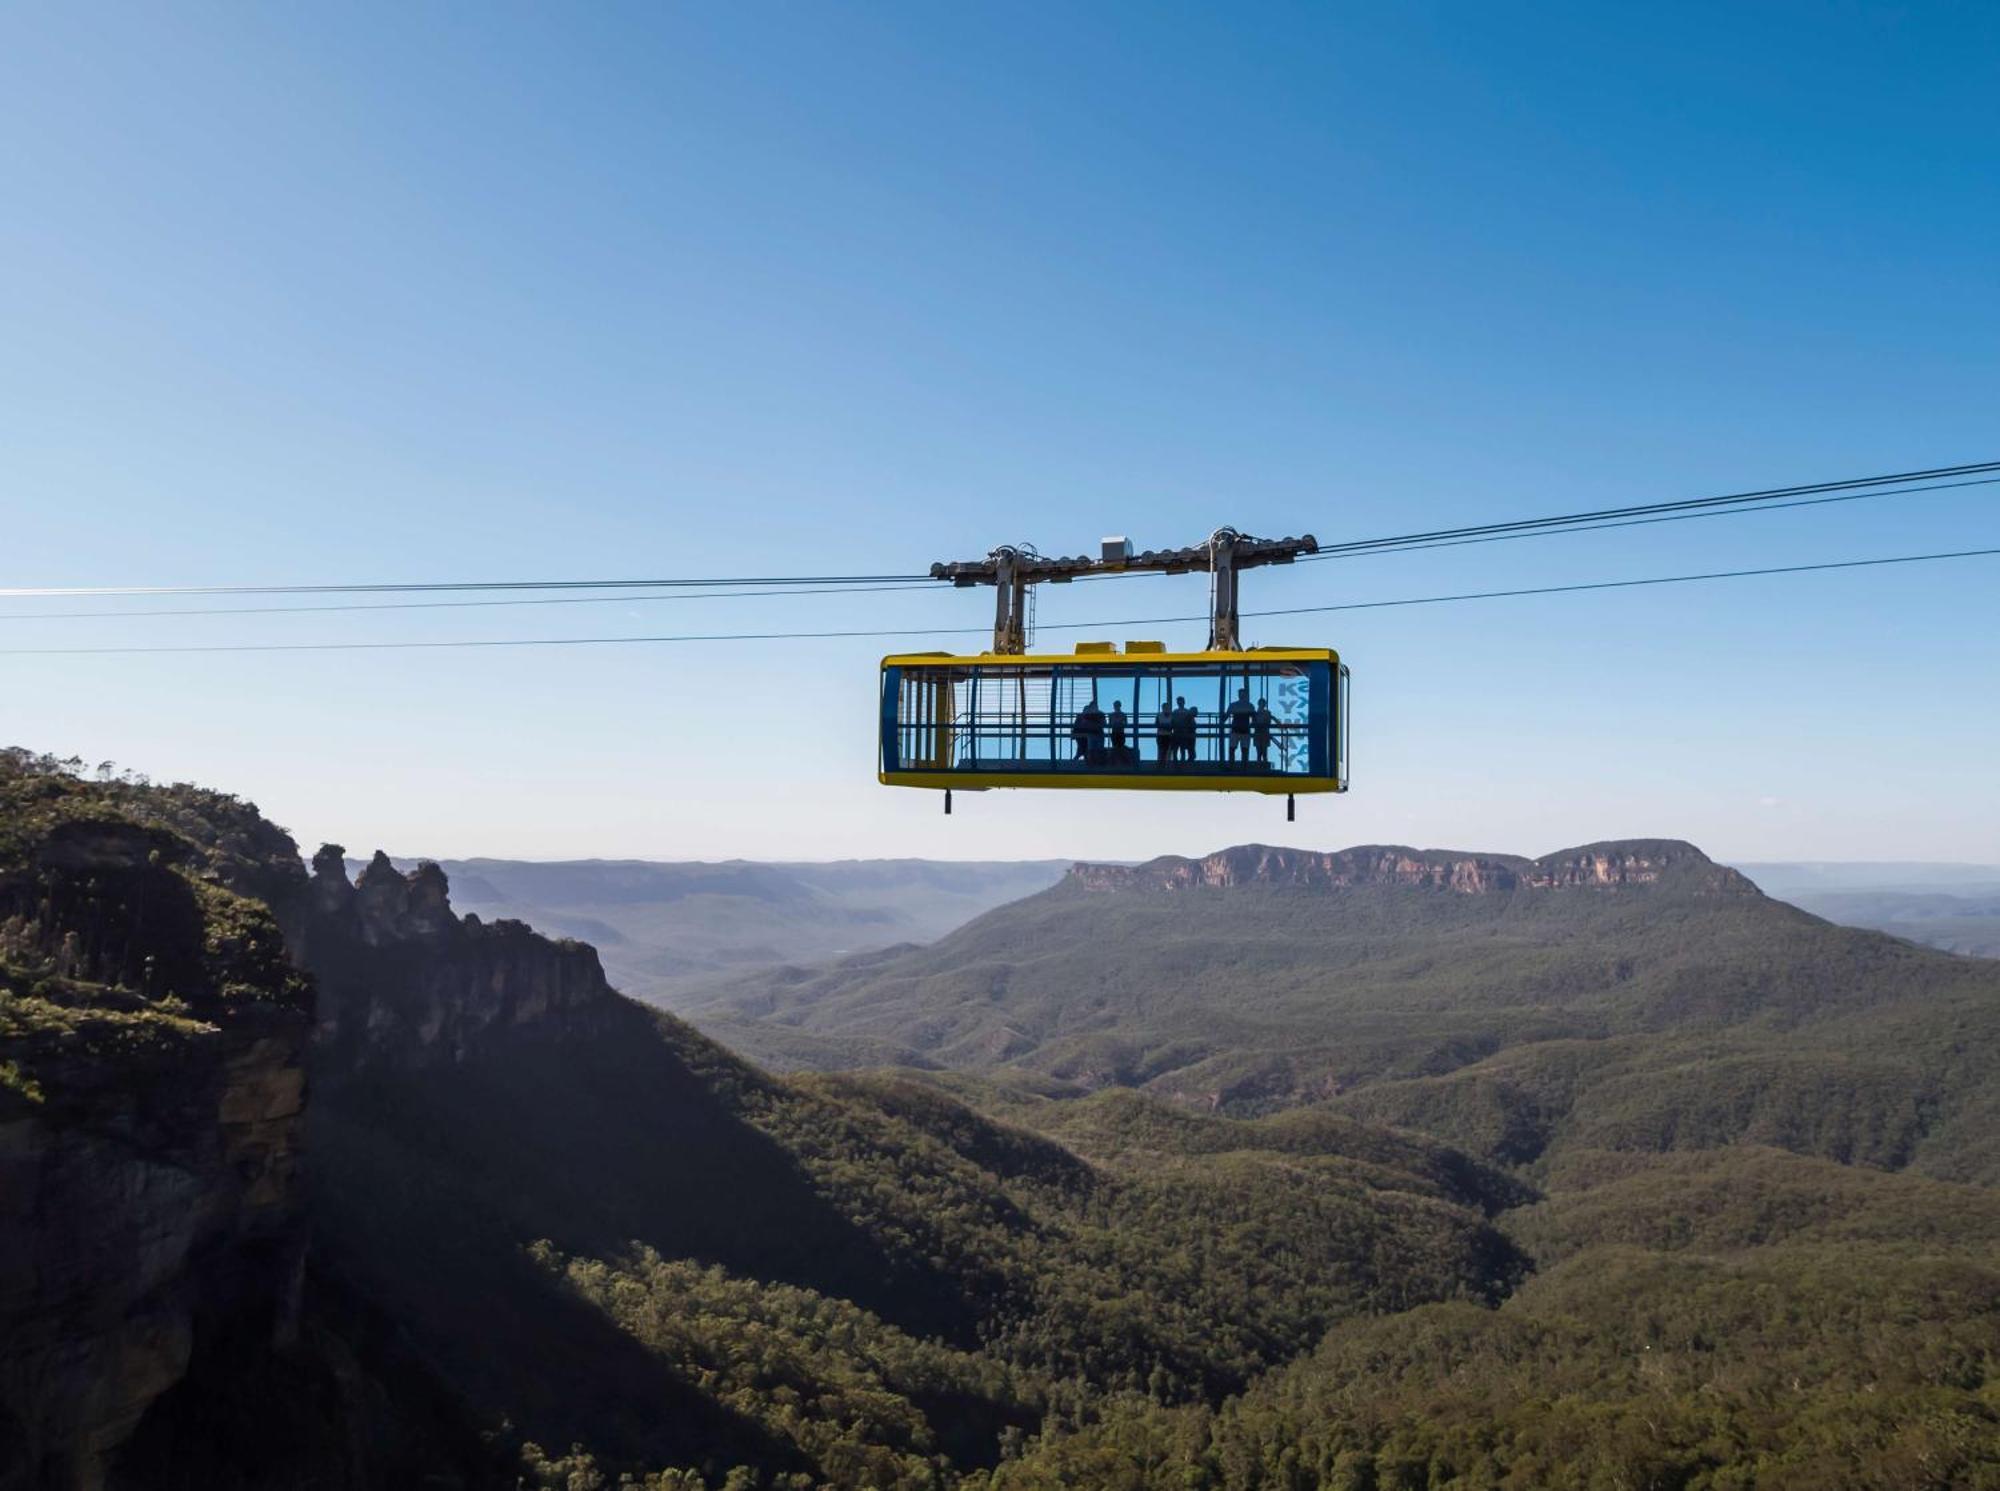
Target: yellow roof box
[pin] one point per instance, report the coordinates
(1145, 647)
(1095, 649)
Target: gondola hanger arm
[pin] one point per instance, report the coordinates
(1011, 569)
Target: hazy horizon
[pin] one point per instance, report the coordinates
(1745, 865)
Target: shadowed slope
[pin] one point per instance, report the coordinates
(861, 1280)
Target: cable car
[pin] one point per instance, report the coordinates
(1142, 719)
(1223, 719)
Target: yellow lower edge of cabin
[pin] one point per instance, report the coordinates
(980, 781)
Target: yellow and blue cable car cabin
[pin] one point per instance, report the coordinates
(1223, 719)
(1271, 720)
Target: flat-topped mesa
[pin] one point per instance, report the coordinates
(1619, 862)
(405, 980)
(1262, 864)
(1607, 865)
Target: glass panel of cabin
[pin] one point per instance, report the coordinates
(1119, 716)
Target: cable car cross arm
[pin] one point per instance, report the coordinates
(1011, 569)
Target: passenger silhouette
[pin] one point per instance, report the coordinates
(1163, 731)
(1263, 723)
(1241, 712)
(1184, 728)
(1117, 723)
(1089, 733)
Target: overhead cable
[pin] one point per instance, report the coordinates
(1066, 626)
(1415, 545)
(81, 591)
(558, 600)
(925, 584)
(1736, 499)
(1562, 522)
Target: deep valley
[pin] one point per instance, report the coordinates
(1381, 1168)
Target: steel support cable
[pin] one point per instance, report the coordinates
(926, 584)
(1356, 546)
(1414, 545)
(82, 591)
(1558, 521)
(1066, 626)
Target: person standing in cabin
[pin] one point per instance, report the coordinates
(1262, 723)
(1241, 712)
(1163, 732)
(1184, 729)
(1117, 724)
(1091, 723)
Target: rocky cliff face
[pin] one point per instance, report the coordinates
(1639, 862)
(152, 1089)
(1610, 865)
(404, 980)
(146, 1218)
(155, 1038)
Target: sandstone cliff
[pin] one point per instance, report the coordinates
(403, 980)
(1610, 865)
(169, 975)
(152, 1039)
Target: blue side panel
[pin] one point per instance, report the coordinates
(892, 690)
(1319, 716)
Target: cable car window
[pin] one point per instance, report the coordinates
(1120, 716)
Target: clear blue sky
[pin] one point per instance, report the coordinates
(371, 292)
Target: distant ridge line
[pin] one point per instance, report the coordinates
(1609, 864)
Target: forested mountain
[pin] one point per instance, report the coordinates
(542, 1215)
(521, 1231)
(1734, 1319)
(1624, 995)
(662, 928)
(861, 1281)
